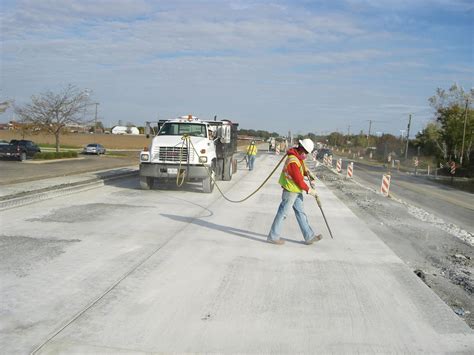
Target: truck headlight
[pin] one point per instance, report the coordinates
(203, 160)
(144, 156)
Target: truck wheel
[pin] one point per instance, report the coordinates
(228, 170)
(220, 169)
(146, 182)
(22, 156)
(208, 183)
(234, 165)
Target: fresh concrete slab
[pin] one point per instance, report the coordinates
(172, 271)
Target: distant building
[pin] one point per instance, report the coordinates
(125, 130)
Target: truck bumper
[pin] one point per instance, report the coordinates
(171, 170)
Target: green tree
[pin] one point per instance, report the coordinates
(387, 144)
(431, 141)
(336, 139)
(455, 116)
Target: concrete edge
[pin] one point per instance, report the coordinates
(29, 197)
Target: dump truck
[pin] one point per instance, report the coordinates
(188, 149)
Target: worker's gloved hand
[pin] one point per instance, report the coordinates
(312, 192)
(310, 175)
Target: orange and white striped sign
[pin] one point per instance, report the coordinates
(350, 169)
(325, 159)
(330, 161)
(385, 184)
(277, 149)
(339, 165)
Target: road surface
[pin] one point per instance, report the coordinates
(454, 206)
(118, 269)
(15, 172)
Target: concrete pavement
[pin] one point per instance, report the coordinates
(14, 195)
(214, 285)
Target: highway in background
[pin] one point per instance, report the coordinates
(451, 205)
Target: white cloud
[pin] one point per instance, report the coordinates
(246, 58)
(450, 5)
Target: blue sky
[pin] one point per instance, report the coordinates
(305, 66)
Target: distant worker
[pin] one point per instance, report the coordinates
(251, 154)
(293, 184)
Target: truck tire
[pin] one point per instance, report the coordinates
(146, 182)
(228, 169)
(208, 183)
(220, 169)
(234, 165)
(22, 156)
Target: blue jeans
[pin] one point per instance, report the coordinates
(295, 200)
(251, 161)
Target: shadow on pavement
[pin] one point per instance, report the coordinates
(166, 185)
(226, 229)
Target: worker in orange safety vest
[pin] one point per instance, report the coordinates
(293, 184)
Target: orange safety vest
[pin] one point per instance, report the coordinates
(286, 180)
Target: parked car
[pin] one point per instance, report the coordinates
(94, 148)
(19, 149)
(322, 152)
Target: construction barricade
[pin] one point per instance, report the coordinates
(350, 170)
(385, 187)
(277, 149)
(339, 165)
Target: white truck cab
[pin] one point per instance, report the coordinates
(189, 149)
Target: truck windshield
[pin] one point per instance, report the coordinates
(178, 129)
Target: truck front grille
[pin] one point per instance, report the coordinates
(173, 154)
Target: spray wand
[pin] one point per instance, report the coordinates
(321, 208)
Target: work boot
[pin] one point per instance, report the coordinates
(315, 239)
(277, 242)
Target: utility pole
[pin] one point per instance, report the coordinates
(464, 131)
(348, 130)
(368, 135)
(95, 120)
(408, 136)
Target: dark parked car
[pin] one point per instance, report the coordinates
(19, 149)
(322, 152)
(94, 148)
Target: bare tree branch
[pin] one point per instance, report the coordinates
(52, 112)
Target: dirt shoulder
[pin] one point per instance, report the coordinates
(442, 260)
